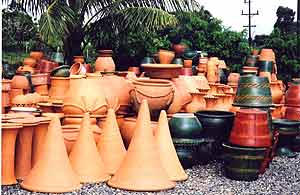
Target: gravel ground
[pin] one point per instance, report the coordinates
(283, 177)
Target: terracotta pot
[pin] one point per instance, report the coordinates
(292, 113)
(213, 88)
(202, 82)
(134, 69)
(127, 129)
(70, 133)
(46, 66)
(251, 129)
(267, 55)
(198, 103)
(78, 59)
(59, 87)
(187, 63)
(15, 92)
(39, 79)
(211, 102)
(165, 56)
(278, 112)
(46, 107)
(233, 78)
(105, 62)
(159, 94)
(29, 62)
(292, 97)
(20, 82)
(186, 71)
(8, 137)
(42, 89)
(77, 68)
(212, 72)
(179, 48)
(220, 104)
(162, 71)
(276, 91)
(37, 55)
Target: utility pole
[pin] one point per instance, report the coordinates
(249, 14)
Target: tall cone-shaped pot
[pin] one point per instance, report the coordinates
(52, 172)
(167, 151)
(84, 156)
(142, 169)
(110, 145)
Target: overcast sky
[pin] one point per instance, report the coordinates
(229, 11)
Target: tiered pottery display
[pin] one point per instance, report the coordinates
(243, 163)
(150, 174)
(165, 56)
(162, 71)
(251, 129)
(159, 94)
(53, 172)
(9, 133)
(105, 62)
(198, 102)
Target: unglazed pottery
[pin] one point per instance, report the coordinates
(187, 63)
(165, 56)
(31, 62)
(233, 78)
(179, 48)
(212, 72)
(77, 68)
(276, 91)
(105, 62)
(162, 71)
(292, 97)
(59, 87)
(37, 55)
(267, 55)
(78, 59)
(198, 103)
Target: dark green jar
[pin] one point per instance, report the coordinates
(242, 163)
(253, 91)
(177, 61)
(189, 54)
(265, 66)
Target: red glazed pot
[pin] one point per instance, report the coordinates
(250, 129)
(292, 113)
(293, 94)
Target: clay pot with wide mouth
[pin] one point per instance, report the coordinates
(251, 129)
(292, 97)
(165, 56)
(105, 62)
(162, 71)
(159, 94)
(59, 87)
(20, 82)
(267, 55)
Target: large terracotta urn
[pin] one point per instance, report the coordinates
(59, 87)
(158, 92)
(165, 56)
(105, 62)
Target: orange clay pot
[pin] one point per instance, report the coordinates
(267, 55)
(38, 139)
(265, 74)
(105, 62)
(187, 63)
(42, 90)
(211, 102)
(202, 83)
(8, 137)
(15, 92)
(233, 78)
(39, 79)
(128, 127)
(165, 56)
(29, 62)
(46, 107)
(37, 55)
(220, 105)
(78, 59)
(24, 146)
(77, 69)
(19, 82)
(292, 113)
(70, 133)
(278, 112)
(276, 91)
(59, 87)
(212, 72)
(134, 69)
(198, 103)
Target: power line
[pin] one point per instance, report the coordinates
(249, 14)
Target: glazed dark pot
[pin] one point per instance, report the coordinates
(61, 71)
(265, 66)
(189, 54)
(242, 163)
(253, 91)
(185, 125)
(177, 61)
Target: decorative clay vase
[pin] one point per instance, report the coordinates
(105, 62)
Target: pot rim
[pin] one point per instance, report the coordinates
(212, 113)
(153, 82)
(227, 145)
(185, 115)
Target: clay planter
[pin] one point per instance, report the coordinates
(105, 62)
(162, 71)
(59, 87)
(42, 90)
(293, 95)
(159, 94)
(233, 78)
(8, 137)
(278, 111)
(212, 72)
(77, 69)
(210, 102)
(267, 55)
(39, 79)
(250, 129)
(31, 62)
(78, 59)
(242, 163)
(253, 91)
(187, 63)
(46, 66)
(127, 129)
(276, 91)
(6, 87)
(165, 56)
(292, 113)
(37, 55)
(198, 103)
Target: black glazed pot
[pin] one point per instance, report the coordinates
(242, 163)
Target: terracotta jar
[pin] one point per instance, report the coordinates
(181, 96)
(251, 129)
(293, 94)
(37, 55)
(198, 103)
(159, 94)
(212, 71)
(9, 133)
(267, 55)
(276, 91)
(15, 92)
(278, 112)
(29, 62)
(211, 102)
(202, 66)
(42, 90)
(292, 113)
(84, 95)
(165, 56)
(105, 62)
(59, 87)
(127, 129)
(39, 79)
(77, 68)
(24, 146)
(187, 63)
(233, 78)
(26, 68)
(46, 66)
(78, 59)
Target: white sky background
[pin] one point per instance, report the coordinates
(229, 11)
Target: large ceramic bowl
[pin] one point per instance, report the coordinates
(162, 71)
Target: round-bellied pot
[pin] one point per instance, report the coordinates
(292, 97)
(242, 163)
(59, 87)
(105, 62)
(251, 129)
(165, 56)
(179, 49)
(253, 91)
(159, 94)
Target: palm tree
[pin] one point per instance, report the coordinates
(72, 20)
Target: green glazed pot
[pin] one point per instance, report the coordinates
(265, 66)
(147, 60)
(61, 71)
(189, 54)
(242, 163)
(253, 91)
(177, 61)
(185, 125)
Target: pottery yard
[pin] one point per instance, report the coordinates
(147, 98)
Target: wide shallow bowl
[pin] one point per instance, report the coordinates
(162, 71)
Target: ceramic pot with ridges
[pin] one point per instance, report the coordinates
(277, 92)
(105, 62)
(59, 87)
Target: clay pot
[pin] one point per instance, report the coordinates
(46, 66)
(39, 79)
(20, 82)
(78, 59)
(70, 133)
(59, 87)
(29, 62)
(162, 71)
(211, 102)
(42, 89)
(26, 68)
(6, 87)
(278, 112)
(77, 69)
(159, 94)
(186, 71)
(251, 129)
(220, 104)
(267, 55)
(292, 113)
(127, 129)
(233, 78)
(251, 60)
(292, 97)
(105, 62)
(276, 91)
(165, 56)
(179, 49)
(9, 133)
(134, 69)
(212, 72)
(198, 103)
(37, 55)
(15, 92)
(187, 63)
